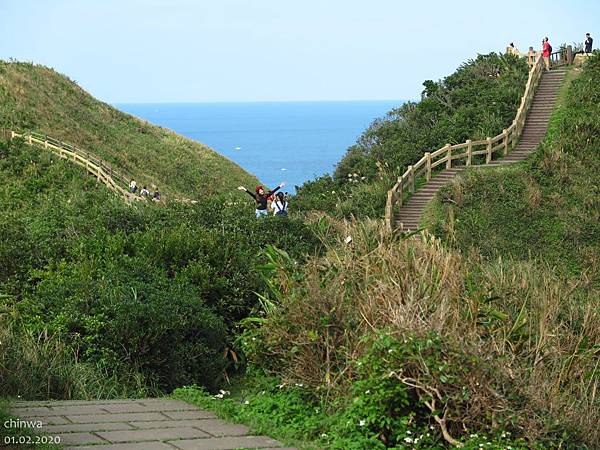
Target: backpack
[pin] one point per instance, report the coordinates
(282, 212)
(549, 48)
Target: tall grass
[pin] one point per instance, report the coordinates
(41, 366)
(518, 348)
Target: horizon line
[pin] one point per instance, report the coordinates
(258, 101)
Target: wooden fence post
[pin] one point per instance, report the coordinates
(411, 181)
(488, 154)
(448, 156)
(569, 54)
(469, 152)
(389, 211)
(400, 190)
(29, 139)
(505, 139)
(428, 173)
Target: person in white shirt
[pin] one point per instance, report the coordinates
(144, 192)
(279, 205)
(132, 186)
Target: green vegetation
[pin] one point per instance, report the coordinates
(548, 208)
(36, 98)
(486, 338)
(390, 332)
(480, 99)
(105, 299)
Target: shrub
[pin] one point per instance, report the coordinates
(464, 337)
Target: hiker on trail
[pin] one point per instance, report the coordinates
(511, 50)
(132, 186)
(144, 192)
(546, 52)
(156, 196)
(588, 43)
(279, 205)
(261, 197)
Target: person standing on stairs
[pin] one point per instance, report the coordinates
(261, 198)
(546, 52)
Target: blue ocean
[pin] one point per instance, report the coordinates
(277, 141)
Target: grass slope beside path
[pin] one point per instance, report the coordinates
(547, 208)
(37, 98)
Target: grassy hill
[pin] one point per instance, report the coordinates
(37, 98)
(546, 209)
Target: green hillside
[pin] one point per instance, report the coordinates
(335, 333)
(546, 209)
(36, 98)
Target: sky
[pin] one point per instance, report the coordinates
(138, 51)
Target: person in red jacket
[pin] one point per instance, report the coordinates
(546, 52)
(261, 197)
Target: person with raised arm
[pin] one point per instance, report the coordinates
(260, 197)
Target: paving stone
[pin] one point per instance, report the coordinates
(125, 417)
(226, 443)
(198, 414)
(167, 423)
(66, 402)
(78, 427)
(54, 420)
(155, 434)
(129, 446)
(170, 405)
(80, 438)
(130, 407)
(30, 411)
(219, 428)
(76, 410)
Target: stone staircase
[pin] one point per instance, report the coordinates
(536, 125)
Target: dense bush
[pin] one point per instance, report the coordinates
(157, 288)
(458, 336)
(480, 99)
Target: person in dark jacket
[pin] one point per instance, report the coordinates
(260, 197)
(588, 43)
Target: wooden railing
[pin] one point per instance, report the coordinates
(447, 155)
(95, 166)
(561, 57)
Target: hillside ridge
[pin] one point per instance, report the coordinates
(37, 98)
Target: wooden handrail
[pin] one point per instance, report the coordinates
(504, 141)
(94, 165)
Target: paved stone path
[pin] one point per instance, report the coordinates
(144, 424)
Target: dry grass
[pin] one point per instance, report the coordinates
(527, 344)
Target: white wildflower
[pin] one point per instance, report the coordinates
(246, 402)
(361, 423)
(368, 391)
(408, 440)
